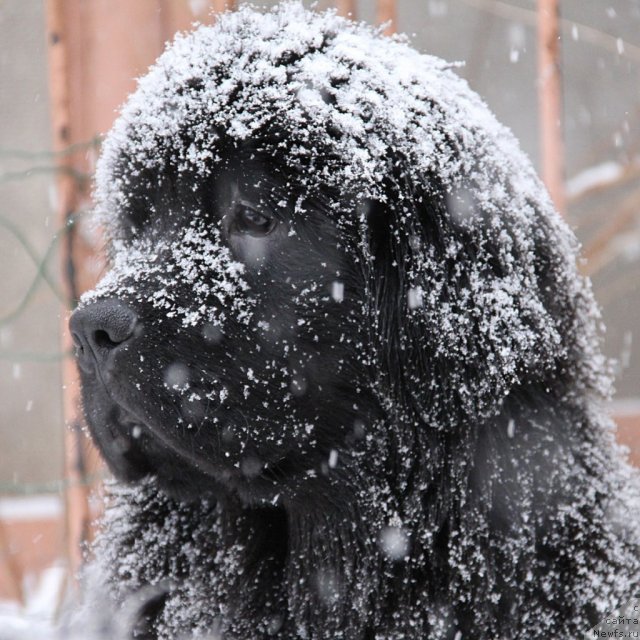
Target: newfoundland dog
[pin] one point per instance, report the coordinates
(343, 366)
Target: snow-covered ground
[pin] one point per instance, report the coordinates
(36, 619)
(44, 593)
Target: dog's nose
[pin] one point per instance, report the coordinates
(99, 330)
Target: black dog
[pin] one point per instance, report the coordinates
(344, 360)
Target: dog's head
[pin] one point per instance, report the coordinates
(313, 230)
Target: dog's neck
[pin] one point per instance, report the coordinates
(432, 538)
(334, 562)
(451, 540)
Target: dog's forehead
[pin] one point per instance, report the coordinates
(252, 180)
(253, 175)
(247, 86)
(345, 108)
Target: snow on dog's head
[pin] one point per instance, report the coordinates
(314, 228)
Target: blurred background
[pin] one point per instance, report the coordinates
(66, 66)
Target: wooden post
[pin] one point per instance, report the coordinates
(387, 13)
(9, 567)
(76, 495)
(223, 5)
(550, 101)
(179, 15)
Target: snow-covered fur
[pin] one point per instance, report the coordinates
(389, 423)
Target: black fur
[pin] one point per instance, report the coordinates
(372, 435)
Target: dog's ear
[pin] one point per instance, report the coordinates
(467, 302)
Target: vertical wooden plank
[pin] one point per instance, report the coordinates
(386, 12)
(112, 42)
(628, 423)
(179, 15)
(222, 5)
(76, 495)
(550, 101)
(9, 567)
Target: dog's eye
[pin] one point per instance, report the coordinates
(251, 222)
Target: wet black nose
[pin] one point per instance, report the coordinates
(99, 330)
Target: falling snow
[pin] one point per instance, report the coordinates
(491, 468)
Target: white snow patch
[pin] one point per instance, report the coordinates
(31, 508)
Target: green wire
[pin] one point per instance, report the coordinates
(31, 356)
(41, 273)
(94, 143)
(10, 176)
(53, 486)
(41, 266)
